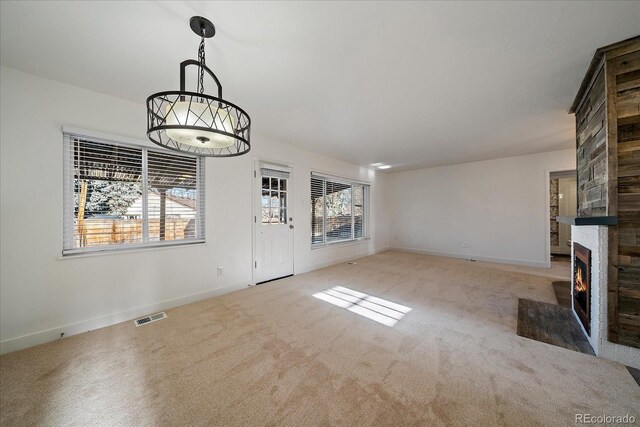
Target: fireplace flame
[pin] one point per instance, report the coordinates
(579, 284)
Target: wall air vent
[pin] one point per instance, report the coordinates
(150, 319)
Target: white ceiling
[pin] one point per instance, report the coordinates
(409, 84)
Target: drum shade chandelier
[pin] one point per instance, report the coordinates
(195, 122)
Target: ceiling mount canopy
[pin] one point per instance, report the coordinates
(195, 122)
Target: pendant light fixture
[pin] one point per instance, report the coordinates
(195, 122)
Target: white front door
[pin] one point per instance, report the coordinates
(273, 223)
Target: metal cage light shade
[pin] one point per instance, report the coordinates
(195, 122)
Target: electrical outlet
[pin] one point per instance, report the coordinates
(465, 244)
(220, 271)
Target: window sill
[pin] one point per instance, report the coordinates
(340, 243)
(75, 253)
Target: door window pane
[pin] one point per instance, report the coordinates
(266, 215)
(274, 198)
(275, 215)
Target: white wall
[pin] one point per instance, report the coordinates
(500, 207)
(42, 295)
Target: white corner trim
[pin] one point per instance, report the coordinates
(547, 213)
(41, 337)
(511, 261)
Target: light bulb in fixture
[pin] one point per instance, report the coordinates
(384, 167)
(189, 116)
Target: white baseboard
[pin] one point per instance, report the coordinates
(36, 338)
(41, 337)
(341, 260)
(511, 261)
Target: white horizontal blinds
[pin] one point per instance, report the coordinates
(358, 211)
(317, 210)
(274, 173)
(118, 195)
(275, 191)
(338, 210)
(201, 200)
(103, 181)
(172, 197)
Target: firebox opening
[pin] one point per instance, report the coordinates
(582, 285)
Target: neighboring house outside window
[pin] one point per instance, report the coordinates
(125, 196)
(339, 210)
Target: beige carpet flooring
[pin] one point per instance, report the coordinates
(275, 355)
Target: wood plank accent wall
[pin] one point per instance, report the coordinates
(612, 171)
(607, 109)
(591, 146)
(623, 81)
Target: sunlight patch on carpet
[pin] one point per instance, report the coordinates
(377, 309)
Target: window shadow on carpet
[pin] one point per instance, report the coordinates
(377, 309)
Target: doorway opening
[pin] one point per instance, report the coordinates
(562, 202)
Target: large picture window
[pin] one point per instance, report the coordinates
(124, 196)
(339, 210)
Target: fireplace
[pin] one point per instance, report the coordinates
(582, 285)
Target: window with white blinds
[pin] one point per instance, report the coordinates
(124, 196)
(339, 210)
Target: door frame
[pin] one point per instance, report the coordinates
(256, 203)
(547, 215)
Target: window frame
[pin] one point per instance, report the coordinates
(278, 176)
(68, 215)
(365, 210)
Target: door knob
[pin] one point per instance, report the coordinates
(291, 227)
(290, 219)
